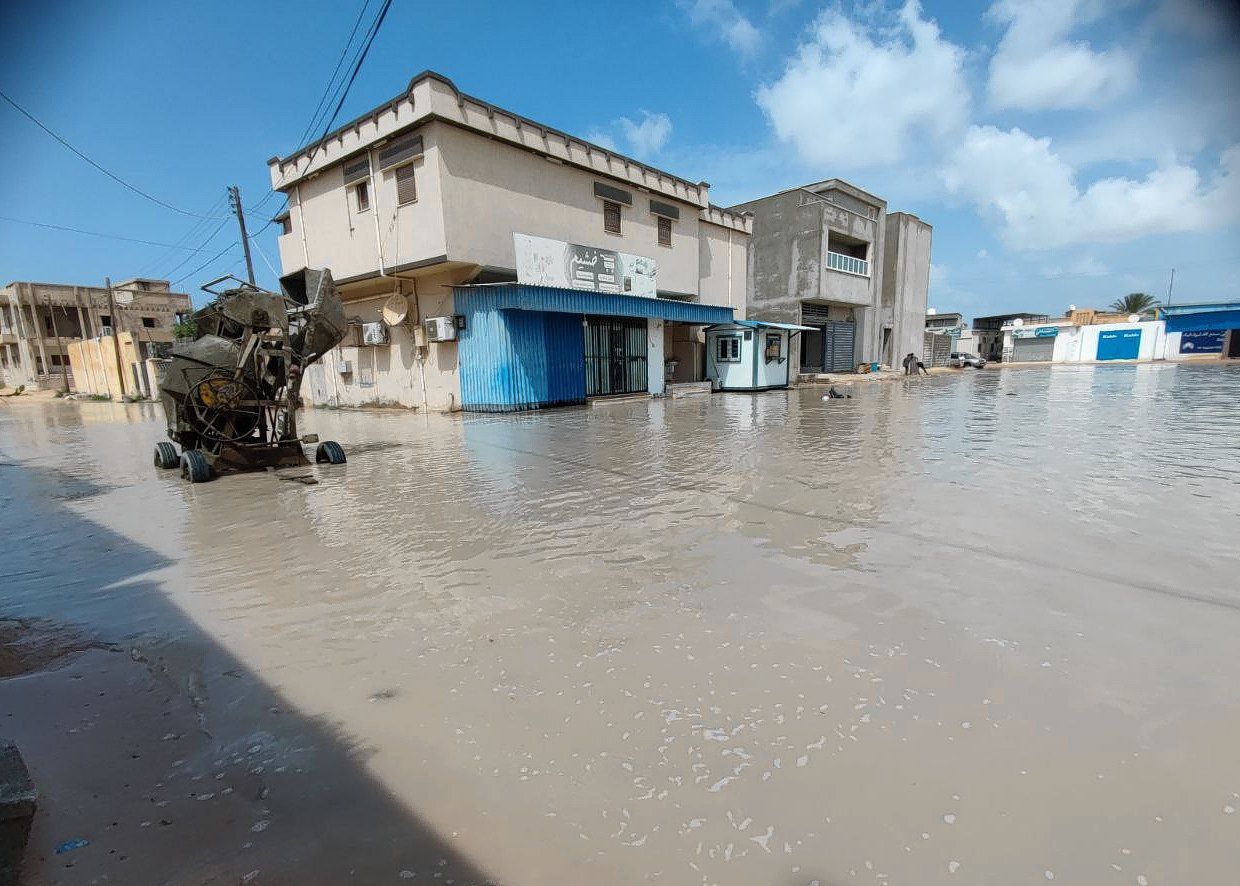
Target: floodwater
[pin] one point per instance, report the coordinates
(978, 628)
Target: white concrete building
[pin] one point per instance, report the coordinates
(427, 191)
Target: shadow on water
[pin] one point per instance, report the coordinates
(300, 806)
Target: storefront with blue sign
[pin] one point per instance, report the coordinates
(1210, 329)
(1035, 344)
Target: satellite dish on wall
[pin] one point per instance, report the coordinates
(1018, 322)
(395, 310)
(1134, 318)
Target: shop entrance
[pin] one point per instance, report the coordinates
(616, 356)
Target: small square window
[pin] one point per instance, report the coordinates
(611, 217)
(728, 349)
(362, 190)
(665, 231)
(148, 322)
(105, 320)
(406, 185)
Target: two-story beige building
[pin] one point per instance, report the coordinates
(436, 189)
(38, 321)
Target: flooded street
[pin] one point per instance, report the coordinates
(981, 628)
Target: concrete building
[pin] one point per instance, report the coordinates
(39, 320)
(989, 332)
(436, 189)
(829, 256)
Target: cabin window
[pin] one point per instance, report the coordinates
(773, 346)
(728, 349)
(611, 217)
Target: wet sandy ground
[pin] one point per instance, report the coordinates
(969, 629)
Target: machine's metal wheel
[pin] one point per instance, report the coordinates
(166, 455)
(329, 451)
(194, 467)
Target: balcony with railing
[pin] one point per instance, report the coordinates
(848, 264)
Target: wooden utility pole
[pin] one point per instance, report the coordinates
(234, 196)
(116, 335)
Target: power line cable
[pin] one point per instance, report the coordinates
(208, 262)
(195, 230)
(35, 120)
(343, 91)
(201, 248)
(22, 221)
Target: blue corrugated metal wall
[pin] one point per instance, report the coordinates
(577, 301)
(512, 360)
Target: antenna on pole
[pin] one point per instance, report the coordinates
(234, 197)
(1170, 287)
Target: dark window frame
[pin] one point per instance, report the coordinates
(611, 209)
(149, 323)
(406, 169)
(361, 196)
(665, 230)
(728, 349)
(773, 338)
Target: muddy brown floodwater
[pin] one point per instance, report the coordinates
(973, 629)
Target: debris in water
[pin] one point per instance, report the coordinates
(70, 845)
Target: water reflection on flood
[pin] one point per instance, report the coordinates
(986, 620)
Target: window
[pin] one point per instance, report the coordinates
(148, 322)
(728, 349)
(665, 231)
(362, 191)
(49, 325)
(105, 320)
(773, 346)
(611, 217)
(406, 186)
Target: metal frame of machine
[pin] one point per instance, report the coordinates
(231, 394)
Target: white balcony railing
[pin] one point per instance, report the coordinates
(848, 264)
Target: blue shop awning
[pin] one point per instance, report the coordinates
(551, 299)
(1189, 320)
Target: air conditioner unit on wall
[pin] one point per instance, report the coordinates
(440, 328)
(374, 334)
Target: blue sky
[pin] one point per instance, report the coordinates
(1065, 151)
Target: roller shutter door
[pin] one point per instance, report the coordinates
(1033, 350)
(839, 346)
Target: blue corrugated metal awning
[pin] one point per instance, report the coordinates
(766, 324)
(1199, 308)
(551, 299)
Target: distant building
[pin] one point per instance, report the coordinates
(39, 320)
(989, 331)
(430, 203)
(829, 256)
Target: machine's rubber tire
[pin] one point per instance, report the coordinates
(329, 451)
(166, 455)
(194, 467)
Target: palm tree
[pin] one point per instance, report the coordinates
(1135, 303)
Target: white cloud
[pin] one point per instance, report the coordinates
(1087, 266)
(860, 95)
(642, 138)
(726, 22)
(1033, 193)
(1038, 67)
(648, 136)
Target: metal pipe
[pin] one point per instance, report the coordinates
(374, 208)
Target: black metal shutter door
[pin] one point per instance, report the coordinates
(841, 341)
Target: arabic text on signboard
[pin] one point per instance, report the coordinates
(545, 262)
(1202, 341)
